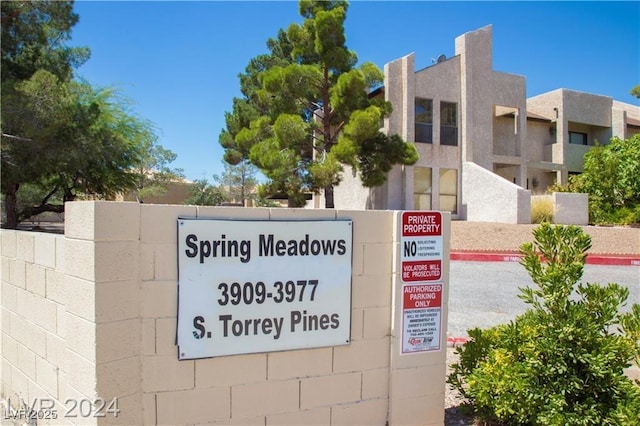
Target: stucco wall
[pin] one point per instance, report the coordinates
(587, 108)
(620, 115)
(570, 208)
(93, 314)
(599, 117)
(539, 136)
(490, 198)
(350, 194)
(504, 138)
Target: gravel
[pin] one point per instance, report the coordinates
(453, 415)
(484, 236)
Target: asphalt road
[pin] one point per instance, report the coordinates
(484, 294)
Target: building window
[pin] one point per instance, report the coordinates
(448, 123)
(578, 138)
(424, 120)
(422, 188)
(449, 190)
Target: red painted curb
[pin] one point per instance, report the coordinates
(592, 259)
(595, 259)
(454, 342)
(485, 256)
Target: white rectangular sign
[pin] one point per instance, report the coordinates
(421, 317)
(260, 286)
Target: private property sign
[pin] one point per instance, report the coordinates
(261, 286)
(421, 245)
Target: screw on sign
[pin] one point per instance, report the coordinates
(421, 317)
(421, 246)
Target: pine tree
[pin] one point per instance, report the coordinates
(311, 112)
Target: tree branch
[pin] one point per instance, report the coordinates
(34, 211)
(337, 132)
(45, 200)
(43, 207)
(18, 138)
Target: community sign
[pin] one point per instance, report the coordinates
(260, 286)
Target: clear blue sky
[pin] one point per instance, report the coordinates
(179, 61)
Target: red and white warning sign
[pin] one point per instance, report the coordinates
(421, 246)
(421, 317)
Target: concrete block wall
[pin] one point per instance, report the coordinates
(105, 327)
(35, 319)
(103, 264)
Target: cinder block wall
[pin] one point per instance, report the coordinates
(34, 320)
(93, 315)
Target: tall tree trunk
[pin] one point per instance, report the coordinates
(242, 194)
(327, 136)
(11, 206)
(328, 197)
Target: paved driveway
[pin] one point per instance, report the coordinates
(483, 294)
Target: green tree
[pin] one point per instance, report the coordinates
(34, 36)
(262, 198)
(636, 91)
(610, 178)
(238, 181)
(562, 362)
(73, 140)
(248, 107)
(202, 193)
(153, 172)
(313, 113)
(61, 137)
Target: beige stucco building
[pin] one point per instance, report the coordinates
(484, 146)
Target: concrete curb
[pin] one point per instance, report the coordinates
(456, 342)
(592, 259)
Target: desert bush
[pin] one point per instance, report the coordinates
(542, 209)
(562, 362)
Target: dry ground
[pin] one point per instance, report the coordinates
(508, 237)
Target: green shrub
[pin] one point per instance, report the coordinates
(562, 362)
(541, 209)
(610, 178)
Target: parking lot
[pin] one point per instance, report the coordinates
(483, 294)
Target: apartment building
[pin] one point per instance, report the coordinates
(484, 147)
